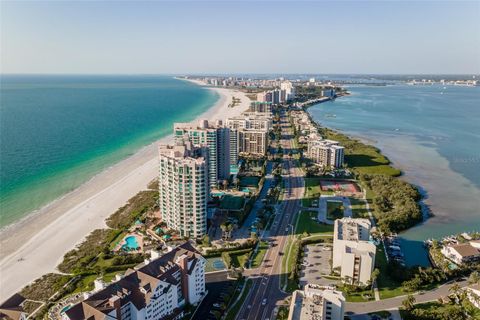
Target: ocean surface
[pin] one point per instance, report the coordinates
(432, 133)
(56, 132)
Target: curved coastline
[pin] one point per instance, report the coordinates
(59, 226)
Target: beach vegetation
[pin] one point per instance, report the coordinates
(361, 157)
(395, 202)
(45, 287)
(133, 210)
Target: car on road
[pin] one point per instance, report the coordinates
(264, 302)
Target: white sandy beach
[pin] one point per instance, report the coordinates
(36, 245)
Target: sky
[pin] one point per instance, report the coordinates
(154, 37)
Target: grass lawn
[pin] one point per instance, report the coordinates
(233, 311)
(240, 260)
(258, 256)
(287, 263)
(359, 208)
(306, 223)
(334, 210)
(387, 287)
(86, 284)
(117, 240)
(360, 296)
(382, 314)
(232, 202)
(439, 308)
(312, 191)
(361, 157)
(249, 181)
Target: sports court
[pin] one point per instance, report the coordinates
(347, 187)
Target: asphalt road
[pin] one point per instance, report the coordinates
(352, 308)
(266, 293)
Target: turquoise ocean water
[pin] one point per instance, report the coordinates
(56, 132)
(433, 134)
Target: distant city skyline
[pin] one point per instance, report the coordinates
(241, 37)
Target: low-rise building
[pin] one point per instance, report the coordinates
(353, 253)
(463, 252)
(317, 302)
(157, 289)
(473, 294)
(12, 308)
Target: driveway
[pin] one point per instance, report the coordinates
(315, 264)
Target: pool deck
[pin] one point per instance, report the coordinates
(139, 238)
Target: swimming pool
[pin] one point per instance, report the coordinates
(131, 243)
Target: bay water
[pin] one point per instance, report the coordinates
(431, 133)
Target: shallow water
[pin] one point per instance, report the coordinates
(59, 131)
(433, 134)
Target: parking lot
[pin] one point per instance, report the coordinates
(216, 284)
(315, 264)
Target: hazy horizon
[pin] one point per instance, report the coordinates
(389, 37)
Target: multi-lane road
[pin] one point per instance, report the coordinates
(266, 292)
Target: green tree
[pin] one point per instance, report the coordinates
(206, 241)
(409, 302)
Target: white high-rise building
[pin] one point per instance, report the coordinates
(317, 302)
(288, 89)
(326, 153)
(157, 289)
(184, 187)
(352, 251)
(217, 138)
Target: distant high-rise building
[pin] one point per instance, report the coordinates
(248, 134)
(184, 187)
(288, 91)
(261, 107)
(217, 138)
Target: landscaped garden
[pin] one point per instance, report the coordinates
(334, 210)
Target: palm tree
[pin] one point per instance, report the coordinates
(455, 290)
(409, 302)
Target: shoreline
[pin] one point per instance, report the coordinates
(49, 232)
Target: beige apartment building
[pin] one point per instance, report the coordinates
(326, 153)
(353, 254)
(317, 302)
(184, 187)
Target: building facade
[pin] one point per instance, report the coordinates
(157, 289)
(353, 254)
(253, 142)
(217, 138)
(326, 153)
(317, 302)
(248, 134)
(184, 187)
(462, 253)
